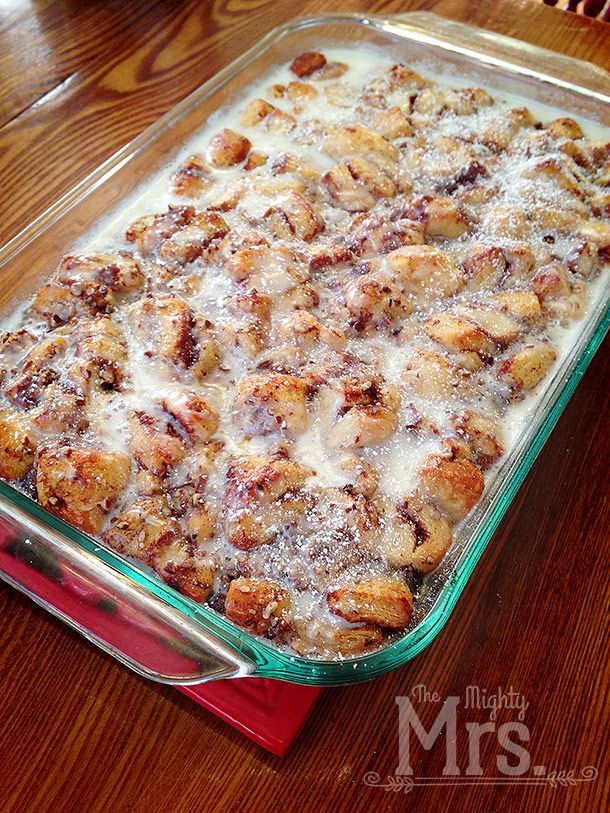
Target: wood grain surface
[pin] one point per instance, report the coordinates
(78, 732)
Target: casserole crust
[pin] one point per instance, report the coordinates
(283, 392)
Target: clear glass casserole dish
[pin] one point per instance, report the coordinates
(131, 614)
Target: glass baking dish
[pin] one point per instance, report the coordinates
(130, 613)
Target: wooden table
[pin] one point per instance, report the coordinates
(78, 731)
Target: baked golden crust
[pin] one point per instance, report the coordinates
(285, 396)
(260, 606)
(17, 445)
(81, 485)
(386, 603)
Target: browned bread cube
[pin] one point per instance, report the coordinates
(306, 63)
(382, 601)
(455, 486)
(17, 445)
(263, 607)
(227, 148)
(81, 485)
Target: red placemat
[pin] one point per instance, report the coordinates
(270, 712)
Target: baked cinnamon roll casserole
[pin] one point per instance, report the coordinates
(284, 390)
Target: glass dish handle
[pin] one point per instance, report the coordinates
(154, 639)
(503, 51)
